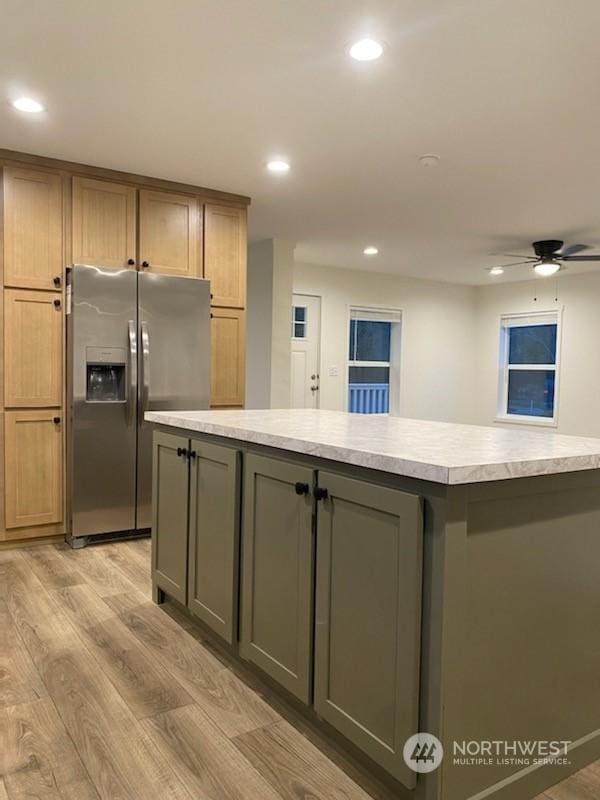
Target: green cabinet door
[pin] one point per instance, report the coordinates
(277, 572)
(214, 536)
(368, 617)
(170, 479)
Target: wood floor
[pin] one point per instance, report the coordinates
(104, 695)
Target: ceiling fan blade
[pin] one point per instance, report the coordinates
(578, 258)
(573, 249)
(513, 264)
(515, 255)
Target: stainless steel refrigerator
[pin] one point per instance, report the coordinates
(135, 342)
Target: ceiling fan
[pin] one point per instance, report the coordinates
(549, 257)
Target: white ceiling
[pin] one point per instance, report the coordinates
(506, 91)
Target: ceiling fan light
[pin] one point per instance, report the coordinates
(547, 267)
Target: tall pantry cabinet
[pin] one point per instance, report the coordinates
(54, 214)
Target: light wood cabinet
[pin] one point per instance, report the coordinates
(228, 357)
(170, 234)
(33, 348)
(33, 245)
(33, 468)
(225, 254)
(104, 223)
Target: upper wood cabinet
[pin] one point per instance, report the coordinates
(33, 242)
(33, 352)
(170, 233)
(228, 362)
(225, 254)
(104, 223)
(33, 468)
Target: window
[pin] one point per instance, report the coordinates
(299, 320)
(370, 365)
(529, 367)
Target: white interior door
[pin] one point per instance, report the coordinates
(306, 333)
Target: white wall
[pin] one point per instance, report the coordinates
(438, 326)
(270, 274)
(579, 390)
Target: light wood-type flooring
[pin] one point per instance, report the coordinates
(106, 696)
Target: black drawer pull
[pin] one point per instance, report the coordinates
(57, 303)
(192, 454)
(320, 494)
(301, 488)
(56, 420)
(56, 281)
(181, 451)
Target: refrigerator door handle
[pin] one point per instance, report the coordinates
(131, 369)
(145, 370)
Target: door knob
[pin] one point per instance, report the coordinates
(301, 488)
(320, 494)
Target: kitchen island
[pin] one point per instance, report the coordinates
(391, 576)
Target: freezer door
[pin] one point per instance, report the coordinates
(174, 363)
(102, 381)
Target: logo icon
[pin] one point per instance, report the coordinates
(423, 752)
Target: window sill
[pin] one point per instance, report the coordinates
(542, 422)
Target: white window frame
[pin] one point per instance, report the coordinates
(526, 319)
(379, 314)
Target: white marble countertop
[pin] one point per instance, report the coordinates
(435, 451)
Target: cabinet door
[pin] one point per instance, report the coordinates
(277, 582)
(33, 325)
(214, 536)
(33, 467)
(104, 223)
(33, 243)
(225, 254)
(170, 241)
(368, 620)
(228, 357)
(170, 483)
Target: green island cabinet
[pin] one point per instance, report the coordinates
(330, 604)
(462, 602)
(195, 528)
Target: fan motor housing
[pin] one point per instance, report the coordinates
(547, 248)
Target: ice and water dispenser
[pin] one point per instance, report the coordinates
(106, 375)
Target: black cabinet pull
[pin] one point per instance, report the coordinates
(320, 494)
(145, 264)
(301, 488)
(131, 261)
(56, 420)
(57, 304)
(181, 451)
(192, 454)
(56, 280)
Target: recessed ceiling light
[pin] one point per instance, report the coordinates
(27, 104)
(547, 268)
(366, 50)
(370, 251)
(496, 271)
(277, 165)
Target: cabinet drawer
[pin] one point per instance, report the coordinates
(368, 617)
(214, 536)
(277, 580)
